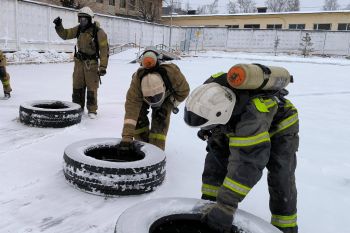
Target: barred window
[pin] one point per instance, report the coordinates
(254, 26)
(322, 26)
(344, 27)
(274, 26)
(297, 26)
(122, 4)
(112, 2)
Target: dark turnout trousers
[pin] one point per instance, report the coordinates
(85, 80)
(266, 135)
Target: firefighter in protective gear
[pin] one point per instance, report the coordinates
(90, 57)
(261, 131)
(160, 87)
(4, 76)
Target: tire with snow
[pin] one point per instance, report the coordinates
(50, 113)
(182, 215)
(95, 166)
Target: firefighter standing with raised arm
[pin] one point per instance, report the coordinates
(160, 86)
(248, 125)
(90, 58)
(4, 76)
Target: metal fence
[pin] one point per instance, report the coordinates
(264, 40)
(28, 25)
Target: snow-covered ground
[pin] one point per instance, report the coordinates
(34, 196)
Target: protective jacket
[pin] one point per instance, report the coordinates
(136, 123)
(263, 132)
(91, 55)
(4, 76)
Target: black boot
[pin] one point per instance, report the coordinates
(7, 95)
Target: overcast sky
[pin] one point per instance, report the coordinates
(305, 5)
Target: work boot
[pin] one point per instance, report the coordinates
(92, 115)
(7, 95)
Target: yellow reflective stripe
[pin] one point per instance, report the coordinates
(236, 187)
(210, 190)
(264, 105)
(249, 141)
(157, 136)
(217, 75)
(6, 82)
(284, 221)
(269, 103)
(259, 105)
(286, 123)
(141, 130)
(103, 43)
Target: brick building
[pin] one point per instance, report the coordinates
(139, 9)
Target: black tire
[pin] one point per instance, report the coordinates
(170, 215)
(50, 113)
(94, 166)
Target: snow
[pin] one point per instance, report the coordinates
(34, 196)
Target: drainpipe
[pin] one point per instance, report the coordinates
(171, 24)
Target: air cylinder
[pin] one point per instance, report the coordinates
(256, 76)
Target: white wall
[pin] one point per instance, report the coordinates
(36, 30)
(33, 29)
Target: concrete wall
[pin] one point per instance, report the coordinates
(28, 25)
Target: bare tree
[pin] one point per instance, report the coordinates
(276, 5)
(147, 10)
(213, 7)
(201, 10)
(232, 7)
(246, 6)
(330, 5)
(241, 6)
(292, 5)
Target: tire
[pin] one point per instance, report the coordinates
(182, 215)
(94, 166)
(50, 113)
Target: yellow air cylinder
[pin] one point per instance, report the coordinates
(254, 76)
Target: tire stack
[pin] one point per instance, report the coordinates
(94, 166)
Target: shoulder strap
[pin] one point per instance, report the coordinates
(94, 33)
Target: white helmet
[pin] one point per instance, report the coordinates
(86, 11)
(208, 105)
(153, 89)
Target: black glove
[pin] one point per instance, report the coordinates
(218, 217)
(102, 71)
(57, 21)
(204, 134)
(125, 148)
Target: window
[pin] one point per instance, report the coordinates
(274, 26)
(132, 4)
(232, 26)
(99, 1)
(344, 27)
(112, 2)
(322, 26)
(297, 26)
(253, 26)
(122, 4)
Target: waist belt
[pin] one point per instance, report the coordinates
(83, 56)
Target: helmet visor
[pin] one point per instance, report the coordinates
(154, 100)
(193, 119)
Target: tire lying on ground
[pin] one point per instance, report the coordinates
(95, 166)
(182, 215)
(50, 113)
